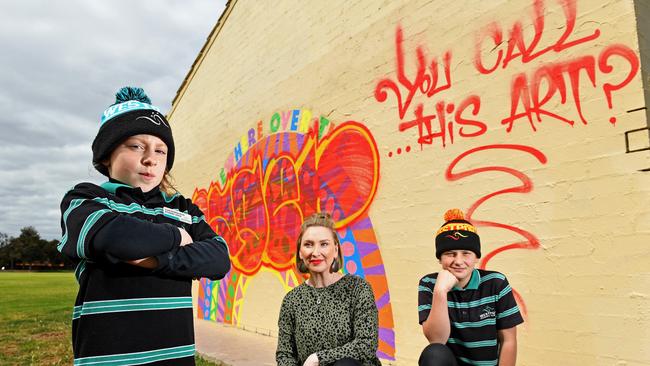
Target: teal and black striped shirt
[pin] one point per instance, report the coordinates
(123, 314)
(476, 313)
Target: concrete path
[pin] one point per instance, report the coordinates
(233, 346)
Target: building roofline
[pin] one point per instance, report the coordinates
(230, 4)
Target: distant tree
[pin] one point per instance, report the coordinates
(31, 245)
(9, 252)
(4, 252)
(30, 249)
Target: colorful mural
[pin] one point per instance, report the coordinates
(269, 184)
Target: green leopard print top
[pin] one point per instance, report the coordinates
(335, 322)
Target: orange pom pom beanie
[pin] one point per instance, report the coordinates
(457, 234)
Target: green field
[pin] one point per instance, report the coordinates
(35, 318)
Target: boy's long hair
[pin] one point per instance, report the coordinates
(167, 184)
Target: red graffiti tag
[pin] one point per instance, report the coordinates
(534, 94)
(426, 83)
(604, 66)
(530, 241)
(527, 91)
(425, 80)
(446, 127)
(517, 46)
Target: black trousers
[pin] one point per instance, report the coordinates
(347, 362)
(437, 354)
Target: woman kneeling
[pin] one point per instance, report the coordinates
(330, 319)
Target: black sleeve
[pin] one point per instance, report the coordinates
(425, 296)
(207, 256)
(127, 238)
(508, 314)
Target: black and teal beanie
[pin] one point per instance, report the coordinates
(457, 234)
(131, 114)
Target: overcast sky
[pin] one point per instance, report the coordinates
(61, 63)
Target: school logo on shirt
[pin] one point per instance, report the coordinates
(177, 215)
(487, 312)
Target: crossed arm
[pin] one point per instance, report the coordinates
(152, 262)
(94, 230)
(206, 255)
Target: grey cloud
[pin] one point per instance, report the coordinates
(60, 66)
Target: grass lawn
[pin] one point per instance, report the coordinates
(36, 318)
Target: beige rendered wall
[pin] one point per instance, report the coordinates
(533, 97)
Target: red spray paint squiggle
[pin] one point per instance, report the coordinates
(530, 241)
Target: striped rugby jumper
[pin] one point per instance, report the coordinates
(123, 314)
(476, 313)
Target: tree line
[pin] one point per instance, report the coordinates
(30, 251)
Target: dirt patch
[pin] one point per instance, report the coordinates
(10, 349)
(49, 336)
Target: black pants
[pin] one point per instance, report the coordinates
(437, 354)
(347, 362)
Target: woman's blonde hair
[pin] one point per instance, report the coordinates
(319, 219)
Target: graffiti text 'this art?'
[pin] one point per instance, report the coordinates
(531, 91)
